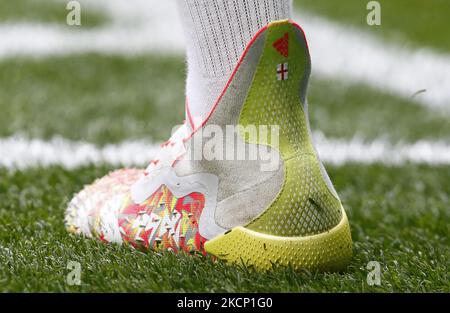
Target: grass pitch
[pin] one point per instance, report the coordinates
(413, 23)
(47, 11)
(399, 215)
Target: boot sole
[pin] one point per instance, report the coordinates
(328, 251)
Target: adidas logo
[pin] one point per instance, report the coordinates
(282, 45)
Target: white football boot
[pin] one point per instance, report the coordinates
(244, 184)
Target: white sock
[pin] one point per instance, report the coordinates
(217, 32)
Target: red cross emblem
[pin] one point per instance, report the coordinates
(282, 71)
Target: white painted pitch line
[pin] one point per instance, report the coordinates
(17, 152)
(137, 27)
(344, 53)
(338, 52)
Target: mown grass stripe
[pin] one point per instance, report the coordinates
(108, 99)
(398, 217)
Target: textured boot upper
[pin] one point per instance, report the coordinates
(305, 205)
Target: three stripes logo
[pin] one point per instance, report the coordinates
(282, 46)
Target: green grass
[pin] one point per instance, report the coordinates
(343, 110)
(399, 217)
(104, 99)
(414, 22)
(46, 11)
(94, 98)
